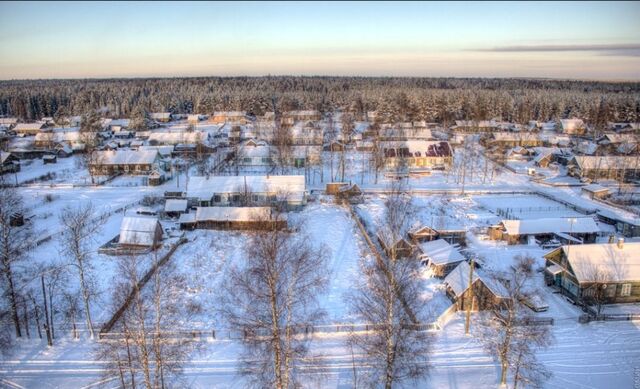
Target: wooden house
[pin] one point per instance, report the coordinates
(10, 162)
(28, 128)
(233, 117)
(124, 162)
(402, 248)
(613, 268)
(175, 207)
(485, 292)
(233, 218)
(620, 168)
(511, 139)
(140, 231)
(475, 126)
(576, 230)
(449, 233)
(439, 256)
(289, 191)
(573, 126)
(417, 154)
(163, 117)
(595, 191)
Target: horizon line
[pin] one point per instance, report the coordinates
(614, 80)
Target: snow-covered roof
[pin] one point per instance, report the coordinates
(138, 230)
(615, 138)
(237, 214)
(607, 162)
(458, 281)
(175, 205)
(595, 188)
(580, 225)
(165, 150)
(176, 137)
(8, 121)
(125, 157)
(160, 115)
(204, 188)
(587, 147)
(59, 136)
(618, 264)
(4, 156)
(571, 124)
(416, 148)
(28, 127)
(514, 137)
(258, 151)
(440, 252)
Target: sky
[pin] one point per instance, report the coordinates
(576, 40)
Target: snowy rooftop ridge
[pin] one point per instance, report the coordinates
(440, 252)
(204, 187)
(578, 225)
(138, 230)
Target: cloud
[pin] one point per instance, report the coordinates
(627, 50)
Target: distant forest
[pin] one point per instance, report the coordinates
(396, 98)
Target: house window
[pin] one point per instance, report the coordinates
(216, 198)
(247, 160)
(266, 160)
(626, 290)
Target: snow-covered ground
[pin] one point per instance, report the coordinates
(595, 355)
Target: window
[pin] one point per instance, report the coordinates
(247, 160)
(216, 198)
(626, 290)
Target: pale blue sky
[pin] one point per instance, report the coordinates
(565, 40)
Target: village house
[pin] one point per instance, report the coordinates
(175, 207)
(28, 128)
(620, 168)
(439, 256)
(475, 126)
(440, 230)
(140, 232)
(625, 127)
(404, 133)
(163, 117)
(417, 154)
(402, 248)
(51, 138)
(573, 126)
(621, 144)
(510, 139)
(124, 162)
(233, 218)
(194, 118)
(289, 191)
(581, 270)
(233, 117)
(8, 122)
(177, 136)
(485, 292)
(256, 154)
(575, 230)
(292, 117)
(10, 163)
(595, 191)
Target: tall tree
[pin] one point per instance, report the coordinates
(271, 296)
(510, 333)
(388, 298)
(79, 229)
(15, 242)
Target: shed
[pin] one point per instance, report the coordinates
(440, 256)
(485, 291)
(596, 191)
(140, 231)
(175, 207)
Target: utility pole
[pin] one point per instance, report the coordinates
(467, 323)
(46, 313)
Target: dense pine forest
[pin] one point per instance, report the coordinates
(431, 99)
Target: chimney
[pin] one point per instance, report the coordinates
(621, 243)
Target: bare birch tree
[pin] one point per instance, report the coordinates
(271, 298)
(510, 333)
(15, 243)
(388, 298)
(79, 229)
